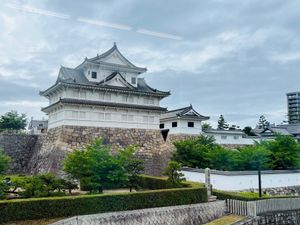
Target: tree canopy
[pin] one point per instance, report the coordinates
(13, 121)
(96, 166)
(262, 122)
(222, 124)
(281, 153)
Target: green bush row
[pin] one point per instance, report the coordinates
(155, 183)
(54, 207)
(244, 196)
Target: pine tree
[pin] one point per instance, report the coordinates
(222, 125)
(262, 122)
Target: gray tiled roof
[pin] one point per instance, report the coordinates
(102, 103)
(183, 113)
(219, 131)
(292, 128)
(111, 50)
(77, 77)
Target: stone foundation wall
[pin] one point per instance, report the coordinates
(20, 147)
(290, 190)
(176, 215)
(276, 218)
(52, 147)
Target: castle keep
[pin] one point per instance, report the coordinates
(102, 97)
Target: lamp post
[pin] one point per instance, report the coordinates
(259, 180)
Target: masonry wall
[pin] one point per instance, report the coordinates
(175, 215)
(20, 147)
(51, 148)
(278, 218)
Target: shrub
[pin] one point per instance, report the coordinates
(52, 207)
(173, 171)
(4, 161)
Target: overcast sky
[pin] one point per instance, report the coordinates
(231, 57)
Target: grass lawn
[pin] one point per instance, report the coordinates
(226, 220)
(34, 222)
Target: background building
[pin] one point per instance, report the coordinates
(293, 106)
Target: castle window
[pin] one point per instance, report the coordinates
(82, 94)
(101, 116)
(107, 116)
(108, 97)
(223, 137)
(94, 75)
(190, 124)
(130, 99)
(82, 115)
(145, 119)
(74, 114)
(235, 137)
(151, 119)
(133, 80)
(151, 101)
(174, 124)
(124, 117)
(162, 126)
(130, 117)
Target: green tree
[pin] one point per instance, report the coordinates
(13, 121)
(175, 177)
(133, 166)
(221, 158)
(262, 122)
(191, 152)
(248, 130)
(32, 186)
(285, 152)
(95, 164)
(4, 161)
(206, 126)
(222, 124)
(252, 157)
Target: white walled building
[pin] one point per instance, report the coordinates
(230, 137)
(182, 121)
(104, 91)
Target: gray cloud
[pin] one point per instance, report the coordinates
(236, 58)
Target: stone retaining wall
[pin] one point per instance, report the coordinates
(291, 190)
(52, 147)
(276, 218)
(175, 215)
(20, 147)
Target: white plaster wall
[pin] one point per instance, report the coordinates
(182, 127)
(97, 95)
(230, 139)
(242, 182)
(104, 117)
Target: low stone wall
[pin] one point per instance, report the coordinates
(291, 191)
(175, 215)
(276, 218)
(52, 147)
(20, 147)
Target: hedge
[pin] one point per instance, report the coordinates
(54, 207)
(224, 195)
(155, 183)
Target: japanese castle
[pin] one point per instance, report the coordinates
(104, 91)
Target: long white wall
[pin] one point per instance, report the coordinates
(232, 139)
(104, 96)
(103, 117)
(242, 182)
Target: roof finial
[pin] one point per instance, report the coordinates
(115, 44)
